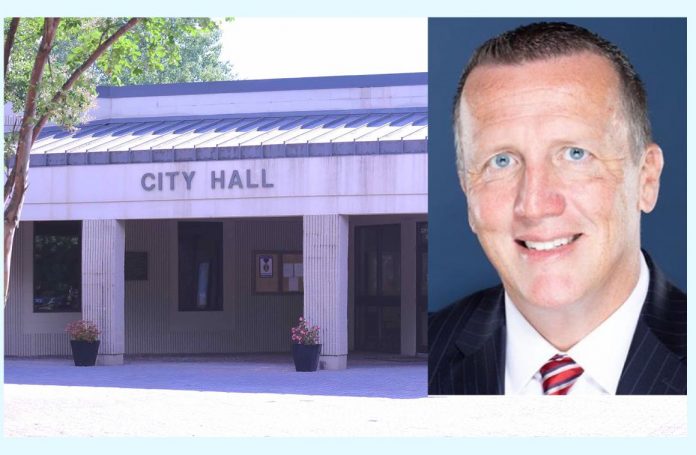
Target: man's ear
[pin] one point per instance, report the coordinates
(462, 181)
(650, 170)
(470, 218)
(462, 184)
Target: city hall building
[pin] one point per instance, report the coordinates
(207, 217)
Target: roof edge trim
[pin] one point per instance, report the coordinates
(265, 85)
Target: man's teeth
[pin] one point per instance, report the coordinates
(545, 246)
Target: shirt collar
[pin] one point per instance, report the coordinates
(525, 351)
(601, 354)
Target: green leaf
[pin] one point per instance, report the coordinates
(156, 50)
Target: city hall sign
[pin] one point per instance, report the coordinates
(176, 180)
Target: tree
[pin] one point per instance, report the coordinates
(198, 62)
(52, 67)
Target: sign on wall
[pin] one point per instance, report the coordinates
(266, 279)
(222, 179)
(279, 273)
(292, 273)
(135, 265)
(316, 185)
(265, 266)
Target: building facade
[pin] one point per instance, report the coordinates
(207, 217)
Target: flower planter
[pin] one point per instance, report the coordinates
(84, 352)
(306, 356)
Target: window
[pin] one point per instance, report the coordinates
(57, 266)
(200, 266)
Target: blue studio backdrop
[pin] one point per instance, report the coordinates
(657, 49)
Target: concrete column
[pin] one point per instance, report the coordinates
(325, 255)
(103, 251)
(408, 288)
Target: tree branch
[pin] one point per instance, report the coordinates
(10, 180)
(25, 140)
(9, 42)
(18, 181)
(82, 68)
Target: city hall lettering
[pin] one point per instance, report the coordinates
(222, 179)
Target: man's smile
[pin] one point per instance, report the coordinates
(549, 244)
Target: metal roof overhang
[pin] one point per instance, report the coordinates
(348, 162)
(220, 137)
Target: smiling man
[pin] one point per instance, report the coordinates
(555, 156)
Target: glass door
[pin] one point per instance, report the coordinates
(378, 288)
(422, 287)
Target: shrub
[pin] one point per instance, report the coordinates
(83, 331)
(303, 333)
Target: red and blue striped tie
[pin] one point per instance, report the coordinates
(559, 374)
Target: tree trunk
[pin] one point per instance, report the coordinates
(9, 238)
(9, 42)
(17, 183)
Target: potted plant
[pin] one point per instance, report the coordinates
(305, 346)
(84, 341)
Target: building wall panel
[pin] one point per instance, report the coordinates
(146, 301)
(28, 333)
(249, 322)
(312, 185)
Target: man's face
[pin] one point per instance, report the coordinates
(554, 193)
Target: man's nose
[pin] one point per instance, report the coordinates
(539, 194)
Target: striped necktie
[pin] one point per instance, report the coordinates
(559, 374)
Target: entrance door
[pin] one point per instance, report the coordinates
(422, 287)
(378, 288)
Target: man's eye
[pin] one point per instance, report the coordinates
(501, 160)
(575, 154)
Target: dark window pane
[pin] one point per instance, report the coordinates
(57, 266)
(390, 248)
(391, 273)
(422, 266)
(200, 266)
(422, 288)
(371, 263)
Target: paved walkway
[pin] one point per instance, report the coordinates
(262, 396)
(366, 376)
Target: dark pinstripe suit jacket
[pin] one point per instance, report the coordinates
(467, 344)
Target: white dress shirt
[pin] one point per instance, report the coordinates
(601, 354)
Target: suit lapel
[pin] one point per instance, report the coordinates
(482, 345)
(651, 368)
(656, 361)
